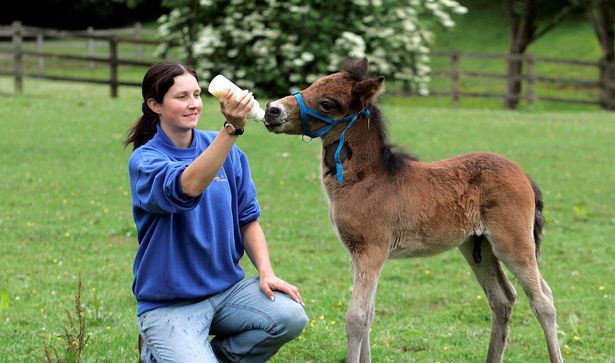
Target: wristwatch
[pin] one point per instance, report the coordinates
(231, 129)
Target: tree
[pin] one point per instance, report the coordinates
(524, 17)
(79, 14)
(601, 13)
(273, 46)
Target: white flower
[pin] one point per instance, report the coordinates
(253, 39)
(449, 23)
(295, 77)
(241, 73)
(307, 57)
(312, 77)
(460, 9)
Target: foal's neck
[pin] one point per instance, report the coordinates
(361, 153)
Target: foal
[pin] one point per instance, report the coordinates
(385, 204)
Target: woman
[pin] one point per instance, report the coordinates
(195, 208)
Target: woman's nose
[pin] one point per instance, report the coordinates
(196, 102)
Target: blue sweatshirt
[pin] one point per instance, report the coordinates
(189, 248)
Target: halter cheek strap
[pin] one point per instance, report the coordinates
(305, 111)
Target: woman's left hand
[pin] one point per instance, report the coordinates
(269, 284)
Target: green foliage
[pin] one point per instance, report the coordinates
(273, 46)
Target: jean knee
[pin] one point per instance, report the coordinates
(291, 322)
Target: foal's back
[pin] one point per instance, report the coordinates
(435, 206)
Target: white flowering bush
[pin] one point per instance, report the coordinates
(276, 46)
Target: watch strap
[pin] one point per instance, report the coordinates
(231, 129)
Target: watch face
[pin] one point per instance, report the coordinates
(232, 130)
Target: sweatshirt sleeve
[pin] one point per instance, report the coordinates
(156, 185)
(249, 210)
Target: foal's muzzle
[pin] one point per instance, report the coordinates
(274, 116)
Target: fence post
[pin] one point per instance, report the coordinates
(18, 55)
(529, 64)
(455, 77)
(138, 47)
(40, 39)
(113, 64)
(91, 45)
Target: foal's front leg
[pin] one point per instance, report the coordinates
(366, 269)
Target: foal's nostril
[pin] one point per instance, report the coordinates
(273, 111)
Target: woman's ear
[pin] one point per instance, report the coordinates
(153, 105)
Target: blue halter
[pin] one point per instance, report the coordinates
(304, 111)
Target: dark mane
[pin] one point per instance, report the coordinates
(393, 157)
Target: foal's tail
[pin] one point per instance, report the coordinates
(539, 219)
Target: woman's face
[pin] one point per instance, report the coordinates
(181, 106)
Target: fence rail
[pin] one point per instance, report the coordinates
(112, 39)
(528, 78)
(456, 76)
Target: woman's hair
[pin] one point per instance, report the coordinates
(156, 82)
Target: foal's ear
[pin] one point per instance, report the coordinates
(358, 70)
(369, 89)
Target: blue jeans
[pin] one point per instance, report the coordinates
(246, 325)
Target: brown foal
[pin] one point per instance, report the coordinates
(385, 203)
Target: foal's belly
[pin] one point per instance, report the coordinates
(422, 250)
(422, 246)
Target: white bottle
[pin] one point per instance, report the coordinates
(220, 83)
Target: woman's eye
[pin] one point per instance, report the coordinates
(327, 106)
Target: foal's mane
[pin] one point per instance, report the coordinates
(393, 157)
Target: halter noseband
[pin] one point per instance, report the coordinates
(304, 111)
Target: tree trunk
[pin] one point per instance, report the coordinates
(607, 83)
(513, 81)
(601, 13)
(521, 23)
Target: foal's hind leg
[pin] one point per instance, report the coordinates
(518, 253)
(500, 294)
(541, 302)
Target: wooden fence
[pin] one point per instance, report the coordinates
(529, 78)
(112, 39)
(454, 74)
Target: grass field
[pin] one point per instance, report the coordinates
(65, 212)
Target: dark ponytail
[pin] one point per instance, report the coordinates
(156, 82)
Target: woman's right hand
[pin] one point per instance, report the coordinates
(235, 107)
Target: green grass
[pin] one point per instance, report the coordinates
(65, 211)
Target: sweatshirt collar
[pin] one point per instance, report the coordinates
(164, 141)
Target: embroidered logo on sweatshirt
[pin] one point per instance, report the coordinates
(221, 179)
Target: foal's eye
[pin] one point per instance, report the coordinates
(327, 106)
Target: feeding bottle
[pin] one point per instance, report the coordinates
(220, 83)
